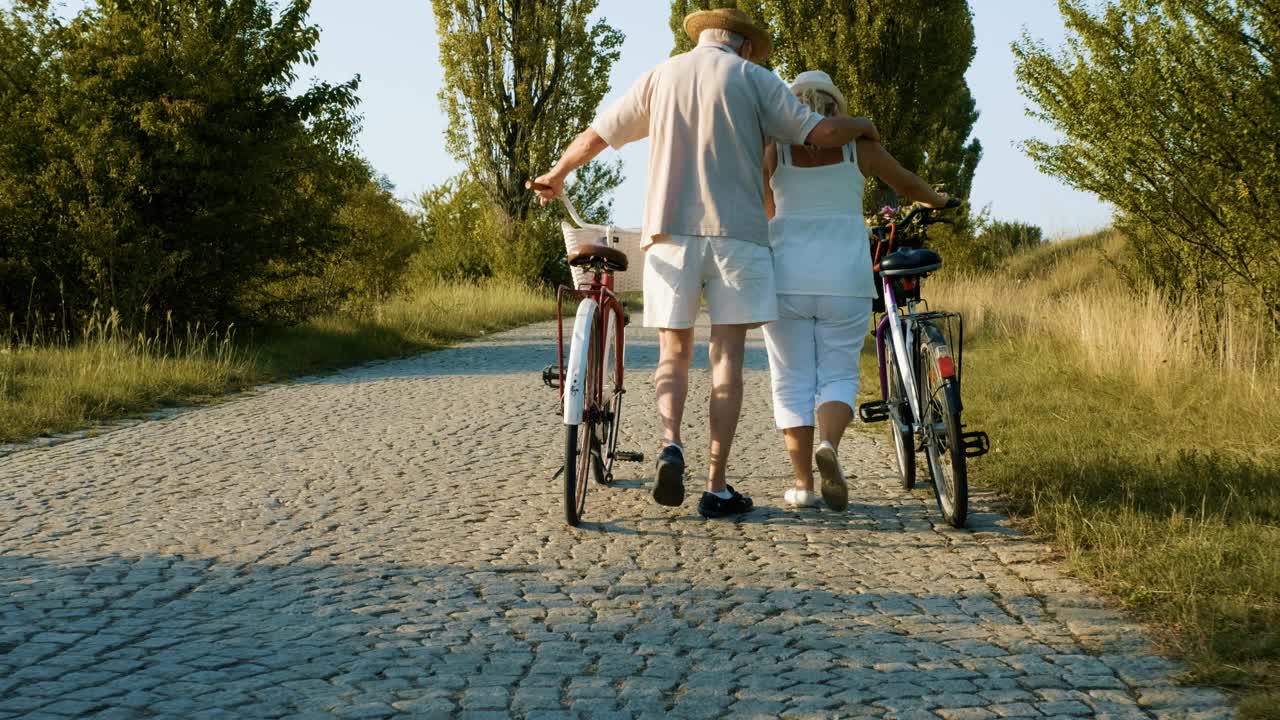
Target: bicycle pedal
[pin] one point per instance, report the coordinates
(629, 456)
(975, 444)
(551, 376)
(873, 412)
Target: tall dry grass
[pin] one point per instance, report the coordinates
(1072, 293)
(53, 380)
(1143, 439)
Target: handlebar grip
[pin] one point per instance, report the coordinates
(953, 202)
(564, 198)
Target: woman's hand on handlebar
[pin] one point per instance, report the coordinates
(548, 187)
(940, 201)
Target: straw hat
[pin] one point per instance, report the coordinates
(733, 20)
(818, 80)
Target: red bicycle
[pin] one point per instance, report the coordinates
(590, 378)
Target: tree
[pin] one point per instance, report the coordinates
(464, 235)
(899, 62)
(522, 78)
(1170, 111)
(163, 162)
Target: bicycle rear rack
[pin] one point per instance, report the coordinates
(975, 444)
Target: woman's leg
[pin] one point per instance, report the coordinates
(840, 331)
(792, 370)
(799, 442)
(833, 419)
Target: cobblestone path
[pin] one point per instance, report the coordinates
(388, 541)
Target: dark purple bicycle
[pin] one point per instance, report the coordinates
(920, 377)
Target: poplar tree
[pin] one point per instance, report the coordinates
(1170, 111)
(899, 62)
(521, 79)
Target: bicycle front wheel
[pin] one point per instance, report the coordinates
(582, 441)
(577, 459)
(940, 403)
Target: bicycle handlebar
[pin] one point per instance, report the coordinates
(564, 198)
(918, 210)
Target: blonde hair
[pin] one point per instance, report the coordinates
(820, 102)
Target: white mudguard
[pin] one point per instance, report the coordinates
(578, 357)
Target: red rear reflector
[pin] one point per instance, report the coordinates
(909, 285)
(946, 367)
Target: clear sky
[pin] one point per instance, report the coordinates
(392, 45)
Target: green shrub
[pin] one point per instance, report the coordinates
(464, 235)
(455, 218)
(1167, 109)
(151, 155)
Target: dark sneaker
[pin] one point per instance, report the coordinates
(713, 506)
(668, 486)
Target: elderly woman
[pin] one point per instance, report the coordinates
(825, 285)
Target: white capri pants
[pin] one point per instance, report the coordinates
(813, 354)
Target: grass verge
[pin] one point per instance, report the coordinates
(1142, 443)
(1168, 498)
(109, 374)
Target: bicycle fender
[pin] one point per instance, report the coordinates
(953, 394)
(576, 371)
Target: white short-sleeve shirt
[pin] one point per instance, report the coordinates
(707, 114)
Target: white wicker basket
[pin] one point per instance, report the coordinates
(625, 239)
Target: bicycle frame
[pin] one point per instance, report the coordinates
(594, 296)
(901, 335)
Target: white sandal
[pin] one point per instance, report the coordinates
(798, 498)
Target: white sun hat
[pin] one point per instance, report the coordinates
(818, 80)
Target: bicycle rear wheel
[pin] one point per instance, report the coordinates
(900, 417)
(940, 403)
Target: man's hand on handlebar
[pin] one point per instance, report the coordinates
(548, 187)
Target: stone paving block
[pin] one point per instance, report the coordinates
(1019, 709)
(965, 713)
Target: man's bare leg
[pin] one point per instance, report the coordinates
(728, 343)
(675, 354)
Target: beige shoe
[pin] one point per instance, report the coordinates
(798, 498)
(835, 491)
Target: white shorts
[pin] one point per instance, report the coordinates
(736, 277)
(813, 354)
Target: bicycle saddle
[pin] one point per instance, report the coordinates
(611, 259)
(910, 261)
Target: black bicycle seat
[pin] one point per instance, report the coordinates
(611, 259)
(910, 261)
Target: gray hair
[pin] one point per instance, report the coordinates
(722, 36)
(820, 102)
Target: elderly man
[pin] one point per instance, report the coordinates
(707, 114)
